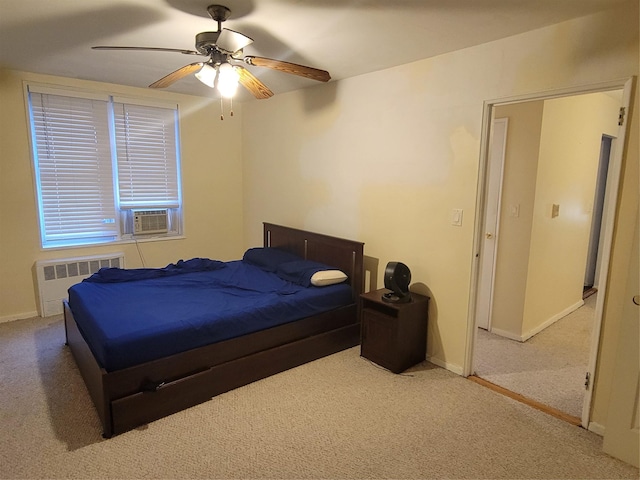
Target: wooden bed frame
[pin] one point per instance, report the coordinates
(128, 398)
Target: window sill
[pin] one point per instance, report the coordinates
(148, 238)
(124, 241)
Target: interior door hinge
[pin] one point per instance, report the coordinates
(621, 116)
(587, 381)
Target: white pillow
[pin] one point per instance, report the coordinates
(327, 277)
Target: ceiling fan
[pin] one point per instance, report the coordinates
(224, 68)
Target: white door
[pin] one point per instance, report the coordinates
(497, 145)
(622, 433)
(608, 225)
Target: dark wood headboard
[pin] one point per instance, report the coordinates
(346, 255)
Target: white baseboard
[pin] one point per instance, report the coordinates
(18, 316)
(448, 366)
(596, 428)
(507, 334)
(534, 331)
(552, 320)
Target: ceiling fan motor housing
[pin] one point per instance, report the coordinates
(206, 42)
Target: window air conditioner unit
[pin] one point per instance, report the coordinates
(150, 221)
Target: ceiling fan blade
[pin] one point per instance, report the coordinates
(177, 75)
(152, 49)
(231, 41)
(287, 67)
(251, 83)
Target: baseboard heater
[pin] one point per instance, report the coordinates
(54, 277)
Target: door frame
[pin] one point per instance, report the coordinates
(613, 186)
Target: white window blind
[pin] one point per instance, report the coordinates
(96, 159)
(72, 156)
(146, 149)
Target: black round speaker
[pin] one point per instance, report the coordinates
(397, 278)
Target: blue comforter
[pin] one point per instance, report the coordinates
(134, 316)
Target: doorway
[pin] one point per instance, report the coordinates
(531, 290)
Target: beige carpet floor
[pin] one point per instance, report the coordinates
(549, 367)
(338, 417)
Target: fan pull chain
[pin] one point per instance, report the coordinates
(222, 108)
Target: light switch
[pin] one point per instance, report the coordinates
(514, 210)
(555, 210)
(456, 217)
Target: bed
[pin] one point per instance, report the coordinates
(132, 390)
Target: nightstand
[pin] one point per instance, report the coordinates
(393, 335)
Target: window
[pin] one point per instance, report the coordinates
(97, 160)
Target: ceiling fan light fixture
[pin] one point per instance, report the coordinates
(228, 79)
(207, 75)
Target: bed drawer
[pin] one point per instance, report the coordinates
(144, 407)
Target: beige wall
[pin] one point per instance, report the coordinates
(211, 180)
(385, 157)
(514, 239)
(572, 129)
